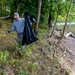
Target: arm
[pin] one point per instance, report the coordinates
(12, 29)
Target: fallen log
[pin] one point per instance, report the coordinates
(5, 17)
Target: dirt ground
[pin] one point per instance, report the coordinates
(69, 53)
(66, 51)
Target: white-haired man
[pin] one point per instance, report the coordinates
(18, 25)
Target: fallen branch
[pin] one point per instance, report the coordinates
(5, 17)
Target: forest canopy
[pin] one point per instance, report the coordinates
(49, 7)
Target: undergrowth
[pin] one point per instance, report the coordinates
(37, 58)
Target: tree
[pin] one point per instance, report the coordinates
(38, 16)
(57, 13)
(65, 22)
(16, 5)
(50, 15)
(3, 8)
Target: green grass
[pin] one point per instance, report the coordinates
(31, 61)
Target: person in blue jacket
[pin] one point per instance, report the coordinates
(23, 27)
(18, 25)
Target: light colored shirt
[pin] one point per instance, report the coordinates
(18, 25)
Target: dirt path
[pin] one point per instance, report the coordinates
(69, 54)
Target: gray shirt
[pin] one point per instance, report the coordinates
(18, 25)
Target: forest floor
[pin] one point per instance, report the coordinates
(40, 58)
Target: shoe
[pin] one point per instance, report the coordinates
(22, 47)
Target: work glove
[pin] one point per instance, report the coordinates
(9, 31)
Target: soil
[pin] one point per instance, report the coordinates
(69, 53)
(66, 51)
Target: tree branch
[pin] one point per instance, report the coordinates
(5, 17)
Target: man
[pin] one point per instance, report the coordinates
(18, 25)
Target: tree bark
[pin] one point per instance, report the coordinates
(50, 16)
(38, 16)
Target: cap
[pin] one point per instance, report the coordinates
(16, 15)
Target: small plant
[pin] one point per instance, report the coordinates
(3, 57)
(12, 61)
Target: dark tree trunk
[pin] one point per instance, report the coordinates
(17, 4)
(50, 21)
(15, 7)
(50, 16)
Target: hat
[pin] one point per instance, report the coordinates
(16, 15)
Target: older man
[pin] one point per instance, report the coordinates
(18, 25)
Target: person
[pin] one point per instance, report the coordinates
(18, 25)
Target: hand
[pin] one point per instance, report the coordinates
(9, 31)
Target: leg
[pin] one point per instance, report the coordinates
(20, 36)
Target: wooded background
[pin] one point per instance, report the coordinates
(44, 11)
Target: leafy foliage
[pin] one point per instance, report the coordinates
(3, 57)
(8, 7)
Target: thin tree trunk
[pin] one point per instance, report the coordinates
(65, 22)
(38, 16)
(50, 21)
(50, 16)
(18, 6)
(55, 23)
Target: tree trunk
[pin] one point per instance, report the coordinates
(38, 16)
(65, 22)
(55, 22)
(54, 25)
(50, 21)
(50, 16)
(18, 6)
